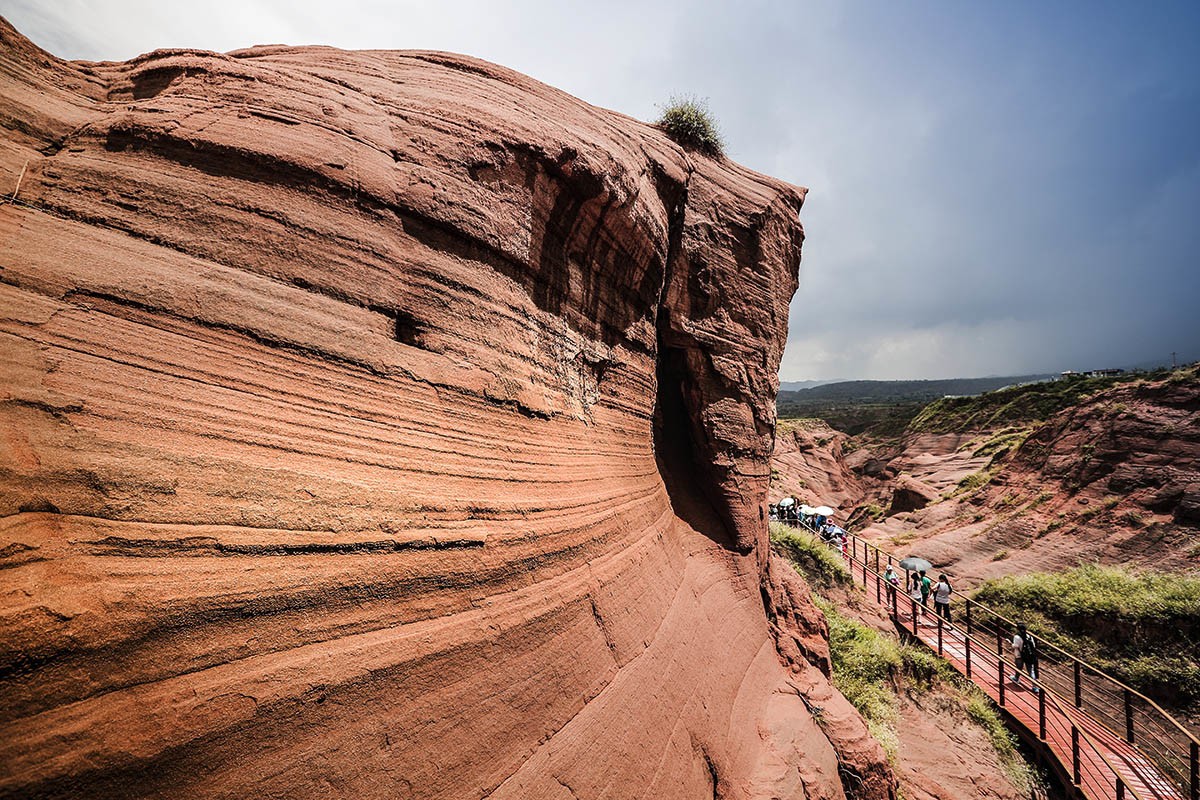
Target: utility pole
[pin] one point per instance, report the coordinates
(1173, 360)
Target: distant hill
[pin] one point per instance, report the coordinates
(883, 407)
(795, 386)
(903, 391)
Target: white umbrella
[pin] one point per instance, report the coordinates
(787, 501)
(824, 511)
(806, 510)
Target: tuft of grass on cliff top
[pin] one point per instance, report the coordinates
(687, 120)
(1140, 627)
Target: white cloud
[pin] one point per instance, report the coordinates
(970, 171)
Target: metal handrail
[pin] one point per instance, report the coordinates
(984, 650)
(1045, 693)
(1095, 670)
(1178, 770)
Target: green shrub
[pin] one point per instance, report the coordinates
(810, 555)
(1140, 627)
(874, 511)
(1003, 442)
(864, 666)
(983, 712)
(687, 120)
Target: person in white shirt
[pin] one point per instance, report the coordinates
(941, 596)
(1018, 642)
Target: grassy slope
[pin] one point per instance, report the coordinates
(1143, 628)
(879, 408)
(1016, 406)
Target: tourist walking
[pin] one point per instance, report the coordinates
(941, 597)
(926, 587)
(1017, 647)
(914, 594)
(1029, 654)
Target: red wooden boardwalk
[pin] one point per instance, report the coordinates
(1096, 762)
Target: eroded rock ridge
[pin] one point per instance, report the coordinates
(389, 424)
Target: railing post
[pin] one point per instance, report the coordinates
(1042, 715)
(968, 657)
(939, 619)
(1195, 771)
(877, 559)
(968, 604)
(1075, 755)
(1120, 788)
(1078, 685)
(1000, 679)
(895, 600)
(914, 615)
(1128, 716)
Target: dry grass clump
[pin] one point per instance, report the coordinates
(687, 120)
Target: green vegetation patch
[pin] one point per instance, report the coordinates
(1141, 627)
(870, 669)
(874, 511)
(1016, 406)
(984, 713)
(972, 482)
(865, 665)
(811, 556)
(687, 120)
(1003, 442)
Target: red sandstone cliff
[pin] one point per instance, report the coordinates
(390, 424)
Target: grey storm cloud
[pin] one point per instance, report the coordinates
(995, 188)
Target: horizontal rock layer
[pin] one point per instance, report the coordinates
(386, 424)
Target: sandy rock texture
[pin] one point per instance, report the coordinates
(386, 424)
(809, 463)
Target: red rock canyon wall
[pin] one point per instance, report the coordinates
(389, 424)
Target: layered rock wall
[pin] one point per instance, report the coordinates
(388, 424)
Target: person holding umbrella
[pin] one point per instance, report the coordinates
(915, 568)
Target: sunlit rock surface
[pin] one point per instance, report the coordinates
(389, 424)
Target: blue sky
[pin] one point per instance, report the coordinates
(995, 188)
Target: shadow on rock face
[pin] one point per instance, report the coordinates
(679, 456)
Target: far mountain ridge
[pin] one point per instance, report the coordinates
(900, 391)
